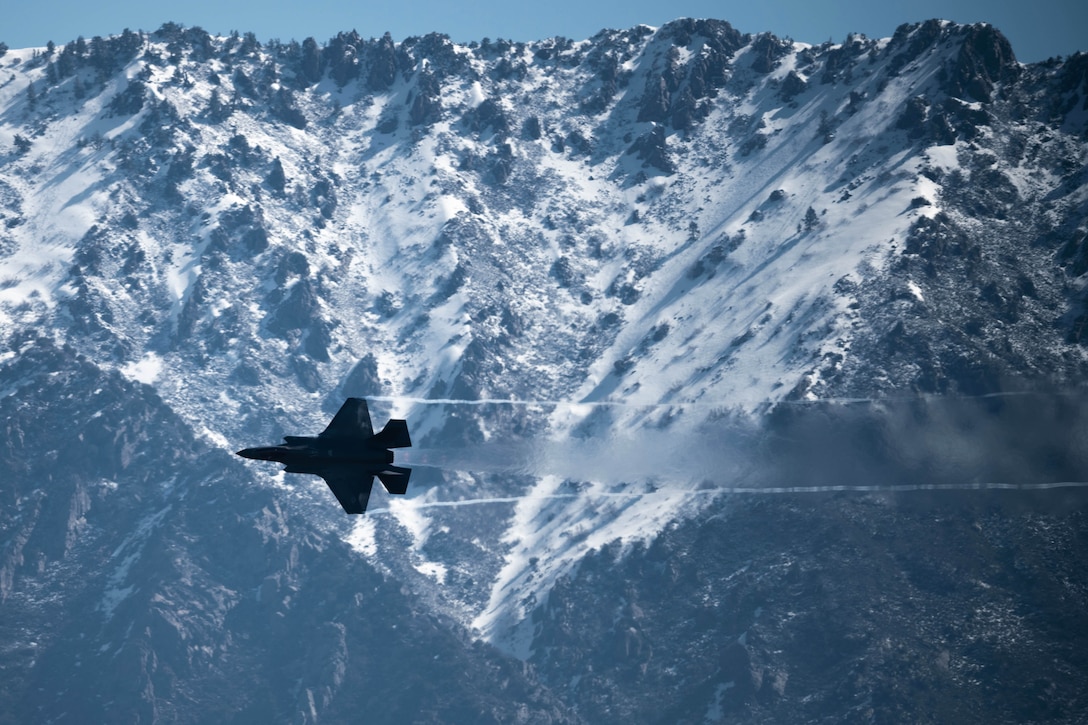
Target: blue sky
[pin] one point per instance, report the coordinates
(1037, 29)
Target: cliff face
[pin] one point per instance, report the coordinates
(608, 282)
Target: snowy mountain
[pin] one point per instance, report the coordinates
(679, 319)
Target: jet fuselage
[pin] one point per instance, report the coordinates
(300, 451)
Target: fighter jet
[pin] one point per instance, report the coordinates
(347, 454)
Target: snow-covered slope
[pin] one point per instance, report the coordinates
(562, 261)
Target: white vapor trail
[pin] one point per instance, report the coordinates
(698, 403)
(526, 403)
(746, 490)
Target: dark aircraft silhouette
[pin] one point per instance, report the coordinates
(347, 454)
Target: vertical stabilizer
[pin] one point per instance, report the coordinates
(394, 435)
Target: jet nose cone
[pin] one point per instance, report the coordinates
(247, 453)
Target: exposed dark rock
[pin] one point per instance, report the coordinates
(363, 381)
(341, 55)
(298, 311)
(766, 51)
(283, 107)
(489, 116)
(578, 143)
(984, 59)
(130, 101)
(652, 148)
(913, 117)
(291, 265)
(792, 85)
(323, 196)
(685, 111)
(276, 178)
(532, 129)
(1074, 255)
(656, 100)
(910, 41)
(839, 61)
(310, 63)
(243, 84)
(426, 108)
(383, 64)
(935, 237)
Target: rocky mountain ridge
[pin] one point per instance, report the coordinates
(665, 247)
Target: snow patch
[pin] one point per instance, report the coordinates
(432, 569)
(714, 711)
(411, 518)
(146, 370)
(361, 538)
(476, 94)
(449, 207)
(216, 438)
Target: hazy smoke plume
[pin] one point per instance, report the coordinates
(1028, 448)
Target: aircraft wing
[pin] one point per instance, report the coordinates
(351, 484)
(351, 421)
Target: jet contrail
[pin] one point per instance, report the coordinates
(830, 449)
(526, 403)
(746, 490)
(703, 403)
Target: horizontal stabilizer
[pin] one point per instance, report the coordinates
(394, 435)
(395, 478)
